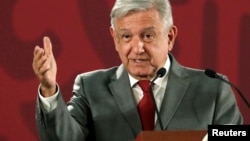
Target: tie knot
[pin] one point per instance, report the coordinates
(145, 85)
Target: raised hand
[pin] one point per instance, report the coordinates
(44, 66)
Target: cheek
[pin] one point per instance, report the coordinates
(159, 53)
(123, 50)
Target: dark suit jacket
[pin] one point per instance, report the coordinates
(103, 107)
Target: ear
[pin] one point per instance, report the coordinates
(172, 33)
(113, 34)
(112, 31)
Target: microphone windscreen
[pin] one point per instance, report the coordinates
(210, 73)
(161, 72)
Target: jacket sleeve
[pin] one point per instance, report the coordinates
(226, 109)
(58, 125)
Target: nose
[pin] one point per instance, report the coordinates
(137, 46)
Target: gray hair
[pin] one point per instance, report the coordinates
(123, 7)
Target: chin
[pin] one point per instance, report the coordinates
(141, 73)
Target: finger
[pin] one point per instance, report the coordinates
(43, 62)
(39, 60)
(38, 52)
(41, 66)
(44, 69)
(47, 46)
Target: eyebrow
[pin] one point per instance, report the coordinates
(148, 28)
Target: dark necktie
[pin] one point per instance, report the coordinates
(146, 106)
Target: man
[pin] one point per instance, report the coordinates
(104, 106)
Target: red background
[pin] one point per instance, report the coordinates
(211, 34)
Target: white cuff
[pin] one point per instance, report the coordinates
(48, 103)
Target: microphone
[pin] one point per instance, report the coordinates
(160, 73)
(213, 74)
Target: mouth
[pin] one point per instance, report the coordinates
(140, 60)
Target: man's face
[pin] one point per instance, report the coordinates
(142, 42)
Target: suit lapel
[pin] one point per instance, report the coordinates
(120, 89)
(175, 91)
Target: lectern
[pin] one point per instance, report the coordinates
(171, 135)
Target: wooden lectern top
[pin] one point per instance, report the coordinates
(172, 135)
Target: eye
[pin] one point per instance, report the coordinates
(126, 37)
(148, 37)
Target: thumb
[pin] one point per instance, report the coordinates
(47, 46)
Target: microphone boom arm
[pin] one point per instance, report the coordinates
(236, 88)
(212, 74)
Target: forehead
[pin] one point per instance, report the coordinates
(139, 20)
